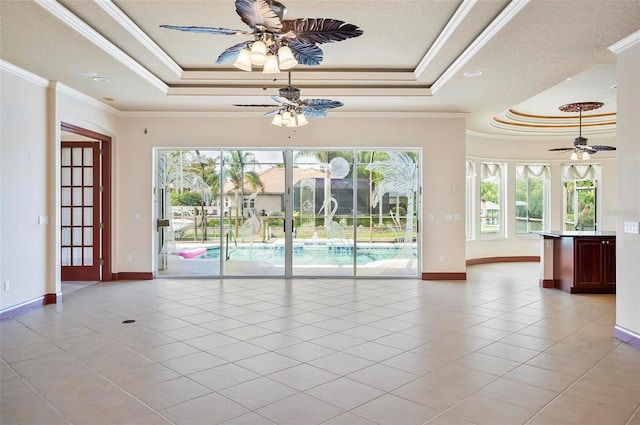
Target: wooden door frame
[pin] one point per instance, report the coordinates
(105, 205)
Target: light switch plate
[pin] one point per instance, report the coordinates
(631, 227)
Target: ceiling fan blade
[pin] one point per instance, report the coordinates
(283, 100)
(323, 103)
(306, 53)
(258, 13)
(561, 149)
(230, 55)
(603, 148)
(271, 113)
(256, 106)
(205, 30)
(310, 111)
(320, 30)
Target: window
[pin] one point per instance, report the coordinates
(580, 196)
(531, 198)
(491, 200)
(469, 227)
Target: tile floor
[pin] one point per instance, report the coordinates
(495, 350)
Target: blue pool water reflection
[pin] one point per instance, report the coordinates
(313, 255)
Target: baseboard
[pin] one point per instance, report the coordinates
(625, 335)
(547, 283)
(133, 276)
(19, 309)
(444, 276)
(514, 259)
(50, 299)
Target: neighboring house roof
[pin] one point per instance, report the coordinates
(273, 180)
(488, 205)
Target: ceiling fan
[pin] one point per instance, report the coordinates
(292, 111)
(580, 149)
(277, 43)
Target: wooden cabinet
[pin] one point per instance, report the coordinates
(585, 264)
(595, 264)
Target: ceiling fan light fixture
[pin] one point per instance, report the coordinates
(574, 156)
(286, 118)
(586, 156)
(258, 53)
(271, 65)
(286, 58)
(243, 60)
(277, 120)
(301, 120)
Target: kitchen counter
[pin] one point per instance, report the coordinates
(577, 234)
(579, 261)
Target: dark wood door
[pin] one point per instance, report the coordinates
(588, 264)
(610, 263)
(80, 211)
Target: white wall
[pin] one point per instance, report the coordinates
(628, 245)
(32, 109)
(23, 194)
(513, 152)
(442, 139)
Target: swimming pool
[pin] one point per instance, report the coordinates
(313, 254)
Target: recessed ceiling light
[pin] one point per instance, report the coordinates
(472, 73)
(101, 79)
(89, 74)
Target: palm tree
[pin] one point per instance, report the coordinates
(397, 173)
(176, 173)
(238, 172)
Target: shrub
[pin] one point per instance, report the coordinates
(187, 198)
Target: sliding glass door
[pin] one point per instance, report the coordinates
(316, 212)
(253, 222)
(323, 200)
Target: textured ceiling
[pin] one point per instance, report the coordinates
(410, 59)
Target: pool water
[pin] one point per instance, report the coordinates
(311, 255)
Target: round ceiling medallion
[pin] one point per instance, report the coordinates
(580, 106)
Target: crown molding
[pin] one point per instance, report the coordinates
(125, 22)
(257, 114)
(86, 99)
(446, 33)
(494, 27)
(625, 43)
(101, 42)
(19, 72)
(514, 135)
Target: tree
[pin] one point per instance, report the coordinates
(238, 172)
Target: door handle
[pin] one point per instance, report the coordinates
(160, 223)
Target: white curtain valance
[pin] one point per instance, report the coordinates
(471, 169)
(526, 171)
(490, 170)
(580, 172)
